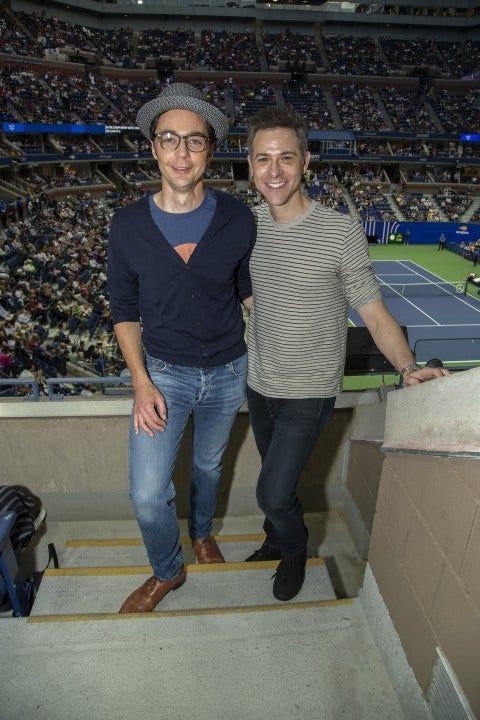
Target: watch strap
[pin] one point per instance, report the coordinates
(411, 367)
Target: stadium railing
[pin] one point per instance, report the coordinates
(35, 393)
(110, 385)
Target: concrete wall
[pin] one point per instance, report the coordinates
(74, 456)
(424, 550)
(363, 472)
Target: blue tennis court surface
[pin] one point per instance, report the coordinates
(446, 325)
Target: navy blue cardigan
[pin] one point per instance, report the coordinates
(190, 312)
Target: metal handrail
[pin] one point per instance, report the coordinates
(23, 381)
(51, 382)
(94, 380)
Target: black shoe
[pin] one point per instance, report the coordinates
(289, 577)
(266, 552)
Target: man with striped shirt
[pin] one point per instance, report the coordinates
(308, 265)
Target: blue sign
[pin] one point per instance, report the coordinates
(10, 127)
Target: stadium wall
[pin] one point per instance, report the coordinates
(426, 528)
(276, 18)
(422, 233)
(74, 456)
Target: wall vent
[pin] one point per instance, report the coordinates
(446, 699)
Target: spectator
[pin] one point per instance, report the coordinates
(291, 392)
(173, 350)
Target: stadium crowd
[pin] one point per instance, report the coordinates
(36, 35)
(52, 286)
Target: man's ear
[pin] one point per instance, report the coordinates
(306, 162)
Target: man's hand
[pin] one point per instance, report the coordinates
(414, 377)
(149, 409)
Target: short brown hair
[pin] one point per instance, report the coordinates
(273, 117)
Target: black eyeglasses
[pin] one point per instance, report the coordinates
(170, 141)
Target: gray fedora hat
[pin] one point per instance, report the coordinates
(180, 96)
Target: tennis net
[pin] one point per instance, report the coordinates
(424, 289)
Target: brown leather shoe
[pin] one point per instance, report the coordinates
(147, 596)
(207, 551)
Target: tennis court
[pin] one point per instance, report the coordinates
(442, 320)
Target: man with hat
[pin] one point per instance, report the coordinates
(177, 275)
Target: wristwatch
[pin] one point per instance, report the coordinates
(411, 367)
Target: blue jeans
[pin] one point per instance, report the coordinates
(212, 396)
(285, 431)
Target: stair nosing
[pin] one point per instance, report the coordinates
(271, 607)
(121, 542)
(147, 570)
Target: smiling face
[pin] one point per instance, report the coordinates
(277, 165)
(182, 170)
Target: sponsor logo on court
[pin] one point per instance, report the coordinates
(462, 230)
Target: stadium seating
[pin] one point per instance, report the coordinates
(384, 117)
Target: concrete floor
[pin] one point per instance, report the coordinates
(320, 663)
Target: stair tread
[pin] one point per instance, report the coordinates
(97, 574)
(217, 587)
(131, 551)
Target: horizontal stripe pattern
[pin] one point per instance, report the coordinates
(16, 499)
(305, 275)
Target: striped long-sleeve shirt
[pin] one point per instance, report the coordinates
(305, 274)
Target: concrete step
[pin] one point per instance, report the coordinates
(98, 574)
(307, 664)
(221, 588)
(291, 661)
(99, 552)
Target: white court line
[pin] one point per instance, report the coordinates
(404, 264)
(397, 262)
(463, 325)
(402, 297)
(455, 297)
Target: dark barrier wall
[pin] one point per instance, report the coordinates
(422, 233)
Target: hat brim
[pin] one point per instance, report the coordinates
(214, 117)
